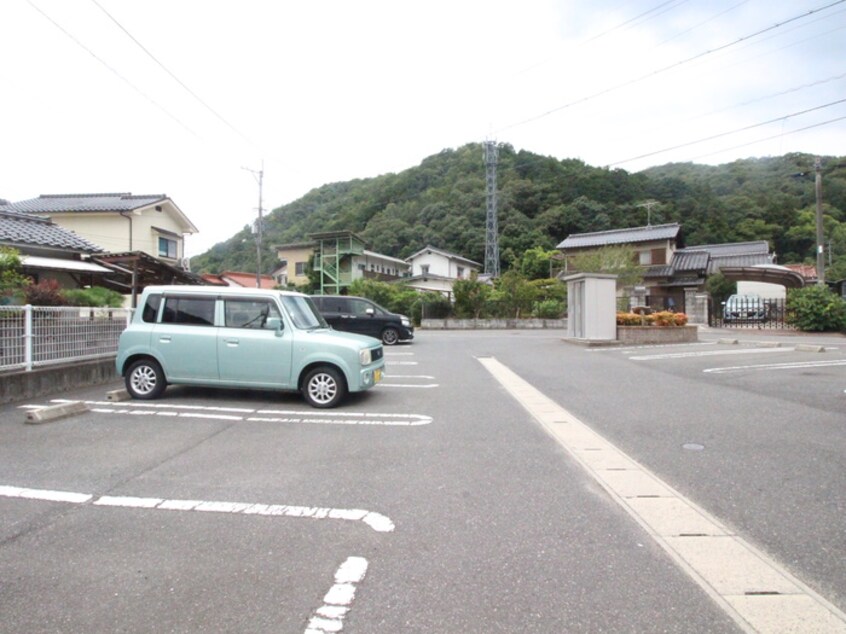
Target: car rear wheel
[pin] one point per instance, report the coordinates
(324, 387)
(145, 380)
(390, 336)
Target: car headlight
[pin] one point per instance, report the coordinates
(406, 322)
(365, 357)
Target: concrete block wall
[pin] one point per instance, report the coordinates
(17, 386)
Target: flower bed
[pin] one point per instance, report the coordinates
(662, 327)
(662, 319)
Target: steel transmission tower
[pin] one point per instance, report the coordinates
(491, 230)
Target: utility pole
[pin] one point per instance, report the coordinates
(257, 229)
(820, 238)
(491, 230)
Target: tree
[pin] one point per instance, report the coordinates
(720, 288)
(535, 263)
(619, 260)
(471, 296)
(514, 295)
(12, 281)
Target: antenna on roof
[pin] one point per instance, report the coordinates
(649, 204)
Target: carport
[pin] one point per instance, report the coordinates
(769, 273)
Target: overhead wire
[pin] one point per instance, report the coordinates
(199, 99)
(670, 66)
(729, 132)
(117, 73)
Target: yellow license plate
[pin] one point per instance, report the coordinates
(377, 376)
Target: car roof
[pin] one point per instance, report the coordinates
(220, 290)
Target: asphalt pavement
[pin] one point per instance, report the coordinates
(434, 503)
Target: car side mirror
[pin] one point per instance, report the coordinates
(274, 323)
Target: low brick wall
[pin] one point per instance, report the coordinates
(492, 324)
(16, 386)
(637, 335)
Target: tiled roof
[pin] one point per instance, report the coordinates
(17, 229)
(690, 260)
(808, 271)
(59, 203)
(446, 254)
(717, 262)
(248, 280)
(733, 248)
(621, 236)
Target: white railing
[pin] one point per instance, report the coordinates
(38, 336)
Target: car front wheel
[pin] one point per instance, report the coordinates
(390, 336)
(145, 380)
(324, 387)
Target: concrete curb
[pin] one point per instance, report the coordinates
(55, 412)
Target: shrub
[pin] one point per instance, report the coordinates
(548, 309)
(45, 293)
(94, 296)
(816, 308)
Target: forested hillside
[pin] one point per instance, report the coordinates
(541, 200)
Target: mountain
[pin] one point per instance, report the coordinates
(542, 199)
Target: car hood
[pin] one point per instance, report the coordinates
(351, 339)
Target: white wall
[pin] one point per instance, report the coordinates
(762, 289)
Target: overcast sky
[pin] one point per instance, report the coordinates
(178, 96)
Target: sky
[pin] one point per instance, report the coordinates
(193, 98)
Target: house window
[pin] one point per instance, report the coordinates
(460, 272)
(659, 256)
(645, 258)
(424, 269)
(300, 268)
(167, 248)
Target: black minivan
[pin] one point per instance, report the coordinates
(360, 315)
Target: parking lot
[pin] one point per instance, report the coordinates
(477, 489)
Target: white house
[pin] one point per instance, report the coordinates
(119, 223)
(436, 270)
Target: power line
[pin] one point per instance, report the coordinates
(671, 66)
(173, 76)
(113, 70)
(730, 132)
(770, 138)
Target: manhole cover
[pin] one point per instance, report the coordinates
(693, 446)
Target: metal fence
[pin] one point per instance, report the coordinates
(746, 312)
(38, 336)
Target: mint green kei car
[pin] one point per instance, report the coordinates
(232, 337)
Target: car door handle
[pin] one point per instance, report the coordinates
(231, 342)
(165, 339)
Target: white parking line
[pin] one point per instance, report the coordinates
(798, 365)
(378, 522)
(708, 353)
(338, 601)
(411, 385)
(258, 415)
(752, 588)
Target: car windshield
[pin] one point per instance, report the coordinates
(303, 313)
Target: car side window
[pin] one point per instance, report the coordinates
(248, 313)
(336, 305)
(151, 308)
(194, 311)
(358, 307)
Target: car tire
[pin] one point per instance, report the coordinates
(390, 336)
(324, 387)
(145, 379)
